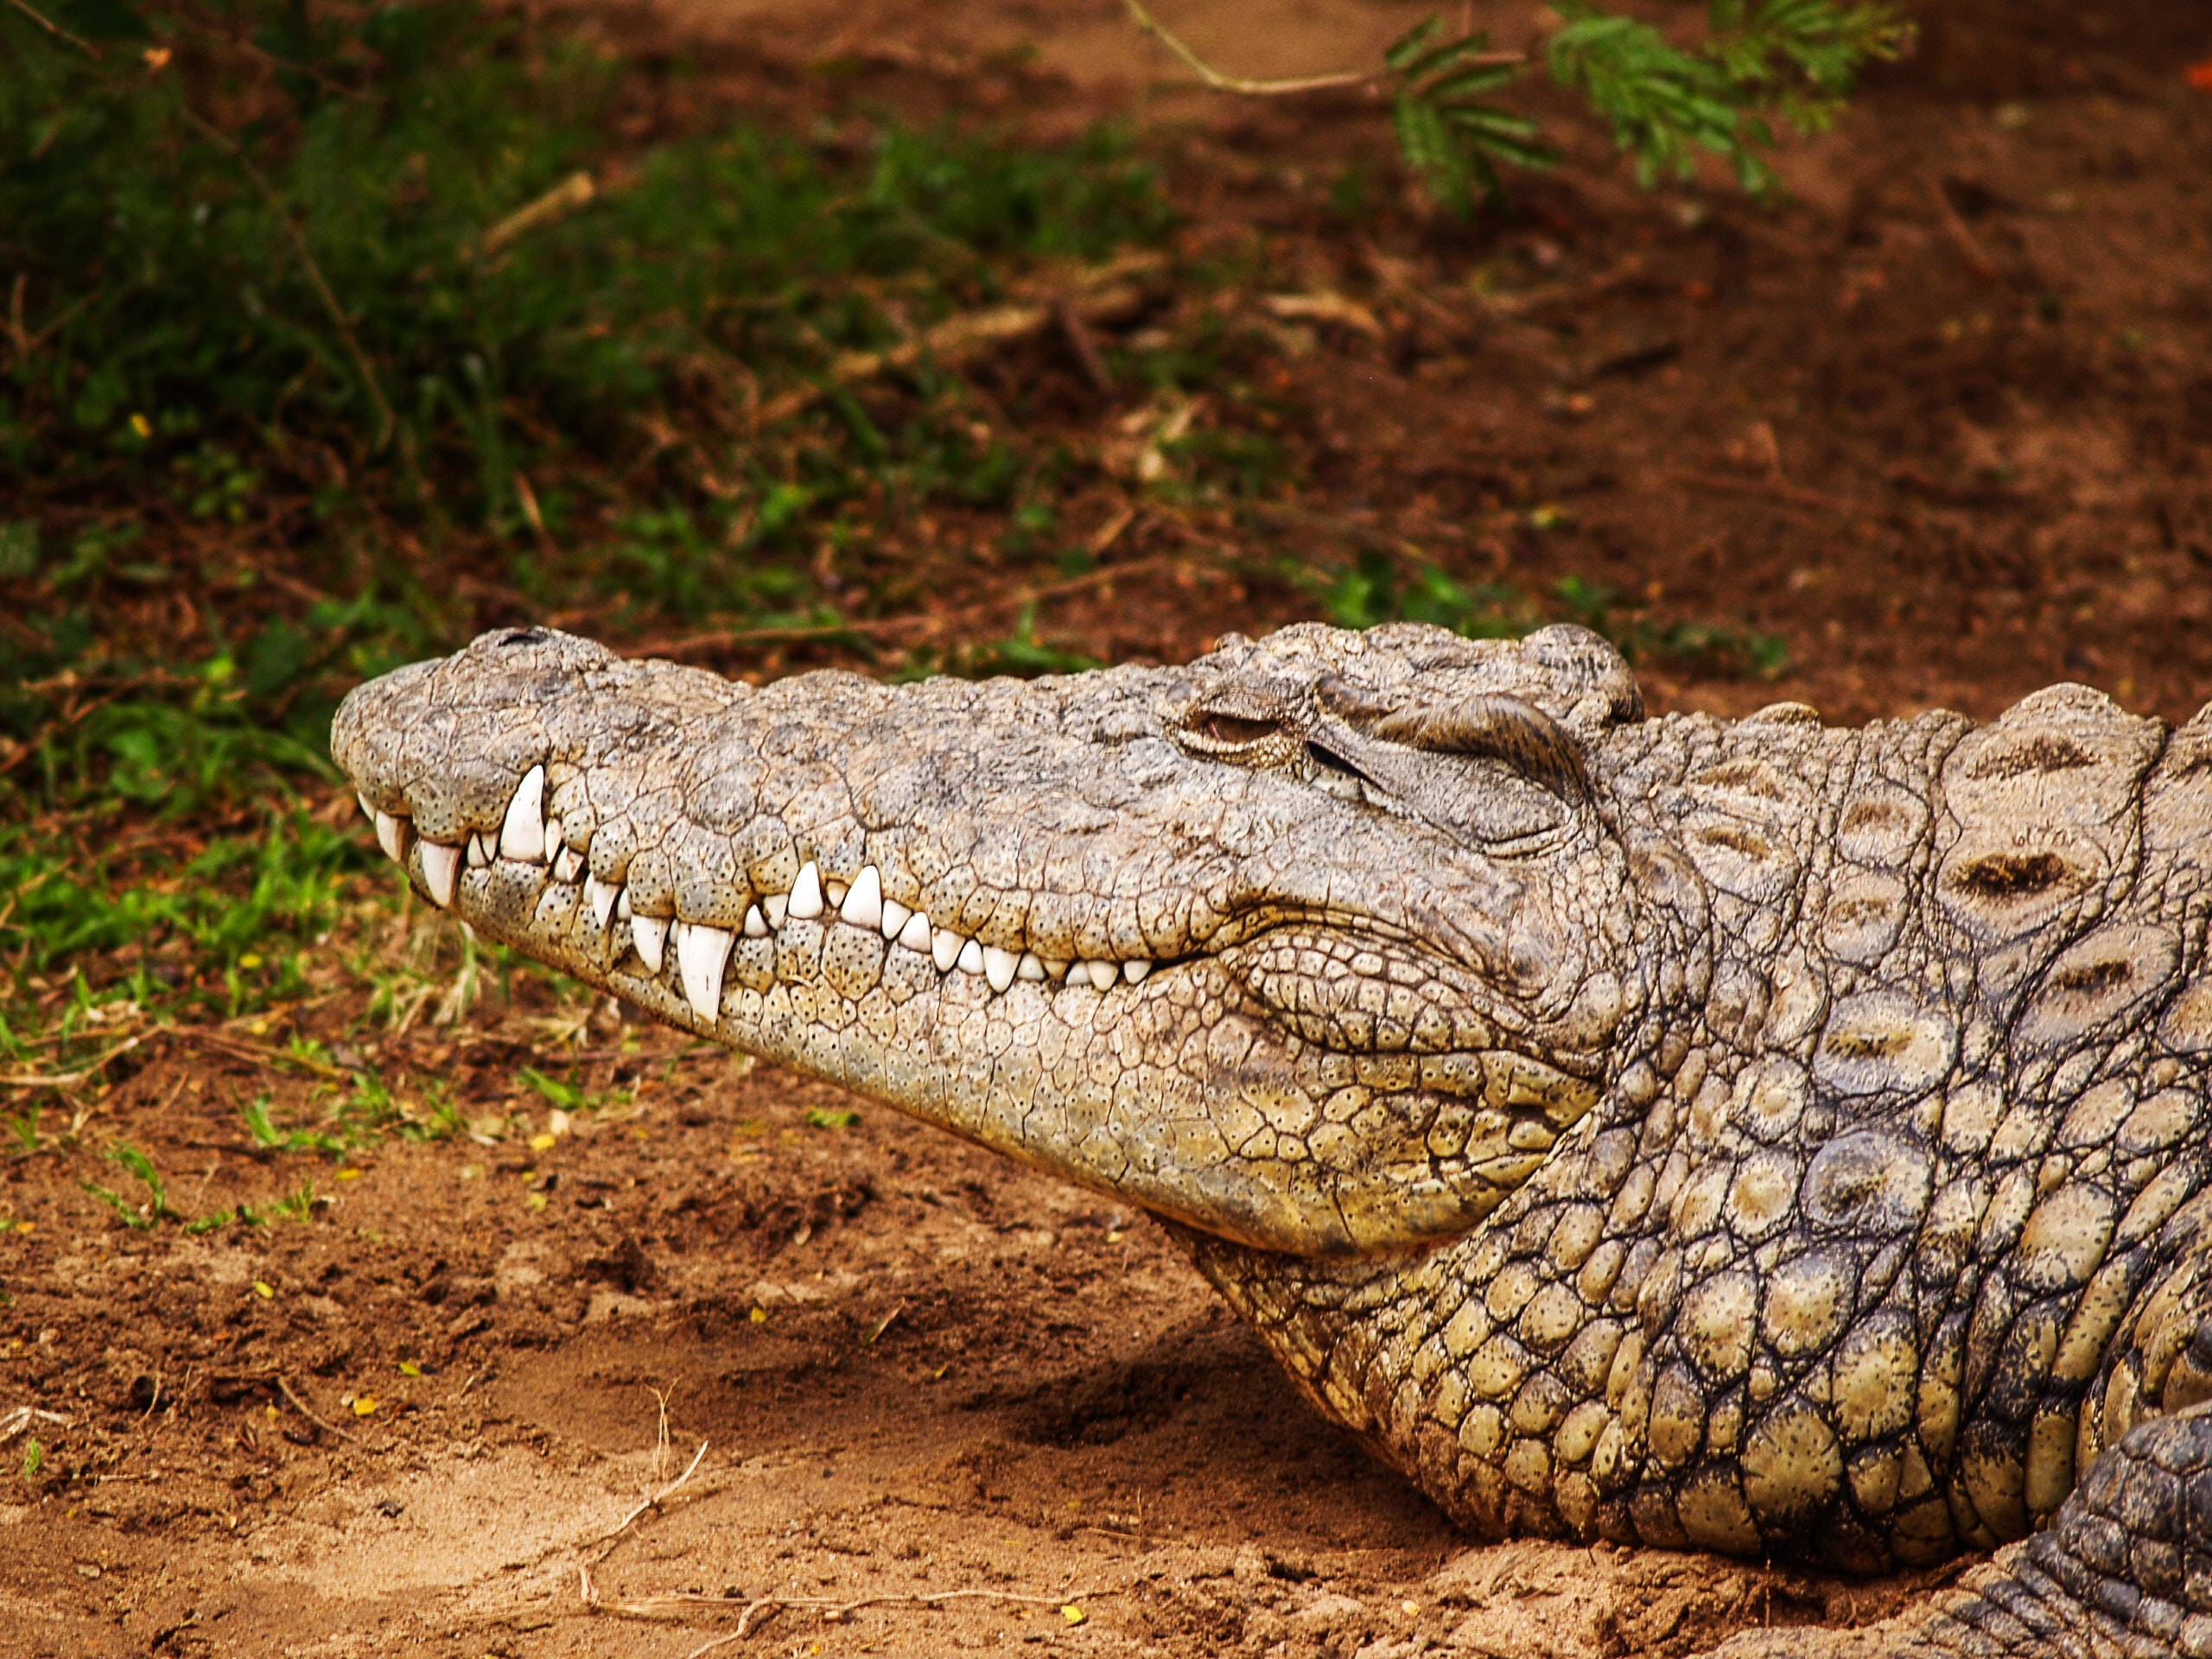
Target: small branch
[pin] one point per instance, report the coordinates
(957, 339)
(64, 1079)
(223, 141)
(563, 198)
(667, 1492)
(1962, 238)
(301, 1406)
(1222, 83)
(55, 29)
(735, 637)
(1085, 347)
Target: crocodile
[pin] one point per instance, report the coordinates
(1753, 1136)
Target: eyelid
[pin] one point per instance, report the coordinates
(1221, 727)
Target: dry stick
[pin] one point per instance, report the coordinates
(957, 339)
(301, 1407)
(833, 1611)
(1249, 88)
(665, 1492)
(732, 639)
(385, 421)
(1956, 227)
(1789, 495)
(55, 29)
(1085, 348)
(63, 1079)
(565, 197)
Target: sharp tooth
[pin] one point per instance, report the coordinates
(1055, 969)
(1102, 975)
(1030, 967)
(649, 936)
(522, 838)
(556, 835)
(367, 812)
(915, 935)
(440, 870)
(999, 967)
(391, 835)
(945, 949)
(756, 924)
(778, 905)
(478, 858)
(568, 864)
(971, 959)
(894, 918)
(701, 952)
(1134, 970)
(806, 893)
(863, 906)
(602, 899)
(622, 905)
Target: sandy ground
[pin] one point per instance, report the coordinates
(703, 1362)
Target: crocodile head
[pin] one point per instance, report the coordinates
(1315, 944)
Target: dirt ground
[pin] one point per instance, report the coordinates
(703, 1362)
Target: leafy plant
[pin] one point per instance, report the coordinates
(1762, 64)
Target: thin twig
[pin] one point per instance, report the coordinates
(733, 639)
(1782, 494)
(563, 198)
(63, 1079)
(55, 29)
(1251, 88)
(1101, 293)
(1956, 229)
(1085, 347)
(653, 1501)
(216, 136)
(833, 1611)
(301, 1407)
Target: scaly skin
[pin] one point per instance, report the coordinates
(1753, 1136)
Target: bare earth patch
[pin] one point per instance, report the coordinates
(1944, 423)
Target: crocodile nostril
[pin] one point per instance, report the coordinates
(522, 637)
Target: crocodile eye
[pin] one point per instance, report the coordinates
(1232, 731)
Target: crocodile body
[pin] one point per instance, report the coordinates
(1753, 1136)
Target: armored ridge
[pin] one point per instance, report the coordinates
(1754, 1136)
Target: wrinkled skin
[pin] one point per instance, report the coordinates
(1756, 1137)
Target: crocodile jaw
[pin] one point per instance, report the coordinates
(1015, 911)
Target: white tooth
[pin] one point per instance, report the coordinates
(778, 904)
(1102, 975)
(622, 905)
(602, 899)
(971, 959)
(806, 893)
(701, 952)
(391, 835)
(367, 812)
(863, 906)
(649, 935)
(478, 858)
(568, 864)
(915, 935)
(833, 894)
(556, 835)
(440, 870)
(945, 946)
(756, 924)
(1030, 967)
(894, 918)
(999, 966)
(522, 838)
(1135, 970)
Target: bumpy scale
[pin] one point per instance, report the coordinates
(1755, 1137)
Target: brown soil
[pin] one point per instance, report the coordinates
(1944, 422)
